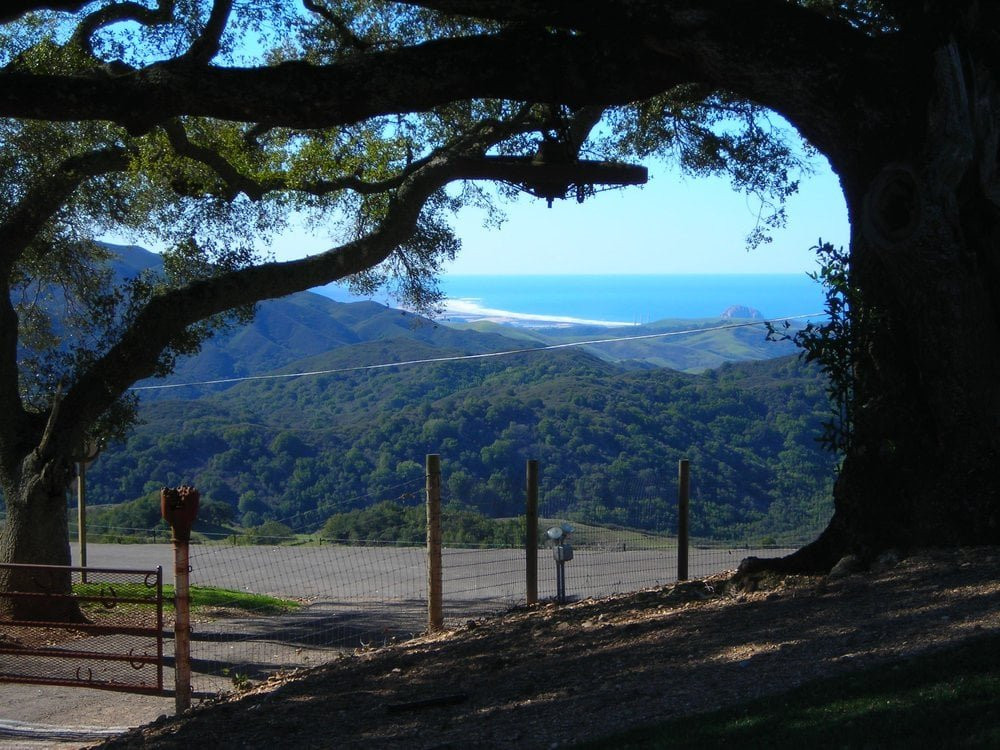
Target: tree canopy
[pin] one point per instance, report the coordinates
(213, 184)
(203, 123)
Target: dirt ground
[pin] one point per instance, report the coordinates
(553, 676)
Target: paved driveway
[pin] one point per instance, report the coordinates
(355, 594)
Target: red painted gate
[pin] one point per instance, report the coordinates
(118, 647)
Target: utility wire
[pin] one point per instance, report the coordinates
(461, 357)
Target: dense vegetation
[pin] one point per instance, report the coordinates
(389, 521)
(303, 450)
(341, 454)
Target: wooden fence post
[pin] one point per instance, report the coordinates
(91, 449)
(683, 490)
(435, 613)
(81, 516)
(179, 507)
(182, 626)
(531, 534)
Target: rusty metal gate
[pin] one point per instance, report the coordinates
(118, 646)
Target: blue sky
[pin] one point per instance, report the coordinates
(675, 224)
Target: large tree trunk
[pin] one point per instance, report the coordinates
(923, 464)
(37, 532)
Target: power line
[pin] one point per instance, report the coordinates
(462, 357)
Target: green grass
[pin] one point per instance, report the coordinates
(261, 604)
(591, 533)
(201, 597)
(946, 699)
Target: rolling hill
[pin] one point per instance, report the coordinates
(287, 330)
(607, 421)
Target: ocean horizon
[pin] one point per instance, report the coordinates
(633, 299)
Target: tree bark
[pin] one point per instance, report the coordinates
(924, 467)
(37, 530)
(923, 464)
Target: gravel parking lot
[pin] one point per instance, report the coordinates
(387, 573)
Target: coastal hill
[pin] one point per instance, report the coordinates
(741, 311)
(607, 420)
(307, 324)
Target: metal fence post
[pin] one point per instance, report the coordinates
(683, 490)
(435, 612)
(531, 534)
(182, 626)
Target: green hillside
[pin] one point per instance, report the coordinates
(607, 421)
(288, 330)
(300, 450)
(664, 343)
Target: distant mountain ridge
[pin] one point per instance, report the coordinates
(299, 326)
(287, 331)
(601, 418)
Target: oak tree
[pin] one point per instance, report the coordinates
(75, 337)
(379, 105)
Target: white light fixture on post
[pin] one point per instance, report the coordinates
(562, 551)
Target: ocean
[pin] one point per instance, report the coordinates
(619, 300)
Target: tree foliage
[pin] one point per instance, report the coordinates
(211, 184)
(836, 343)
(211, 187)
(332, 446)
(176, 118)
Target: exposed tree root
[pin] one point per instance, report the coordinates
(816, 558)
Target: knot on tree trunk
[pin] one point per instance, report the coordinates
(893, 206)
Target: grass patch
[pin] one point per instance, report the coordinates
(202, 597)
(261, 604)
(945, 699)
(590, 533)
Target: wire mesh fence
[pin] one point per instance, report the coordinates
(280, 598)
(265, 608)
(322, 598)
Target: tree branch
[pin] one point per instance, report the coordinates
(351, 39)
(10, 399)
(118, 13)
(167, 316)
(22, 224)
(578, 127)
(14, 9)
(530, 171)
(237, 182)
(636, 17)
(206, 46)
(523, 65)
(807, 67)
(44, 198)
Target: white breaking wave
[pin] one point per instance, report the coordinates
(471, 310)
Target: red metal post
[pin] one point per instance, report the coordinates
(179, 506)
